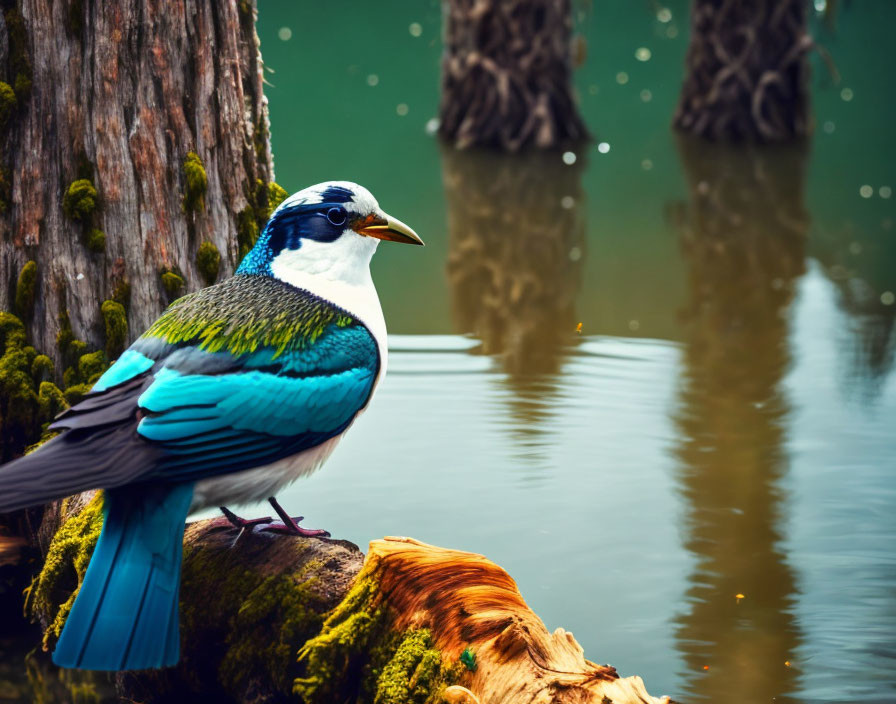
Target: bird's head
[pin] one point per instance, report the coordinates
(330, 230)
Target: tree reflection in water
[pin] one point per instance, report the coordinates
(517, 247)
(743, 235)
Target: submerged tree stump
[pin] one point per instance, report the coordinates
(282, 619)
(747, 72)
(134, 137)
(506, 75)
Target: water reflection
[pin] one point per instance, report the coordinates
(517, 247)
(743, 236)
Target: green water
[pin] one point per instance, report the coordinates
(723, 424)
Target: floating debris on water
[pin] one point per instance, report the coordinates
(642, 53)
(888, 298)
(846, 94)
(866, 191)
(603, 147)
(884, 191)
(569, 158)
(579, 328)
(646, 164)
(672, 31)
(432, 126)
(664, 15)
(415, 29)
(372, 79)
(828, 127)
(622, 78)
(285, 34)
(739, 597)
(401, 109)
(567, 202)
(575, 254)
(646, 95)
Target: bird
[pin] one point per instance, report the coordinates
(234, 392)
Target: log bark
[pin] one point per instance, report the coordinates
(105, 103)
(747, 73)
(282, 619)
(506, 75)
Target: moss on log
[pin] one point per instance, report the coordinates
(273, 618)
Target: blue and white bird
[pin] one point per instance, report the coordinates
(233, 393)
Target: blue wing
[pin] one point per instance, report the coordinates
(178, 412)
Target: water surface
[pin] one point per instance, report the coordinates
(723, 423)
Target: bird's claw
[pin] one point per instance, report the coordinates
(293, 528)
(244, 523)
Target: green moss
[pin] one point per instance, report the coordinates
(413, 673)
(23, 85)
(80, 199)
(274, 618)
(41, 368)
(12, 331)
(115, 319)
(8, 103)
(173, 283)
(53, 591)
(25, 289)
(52, 400)
(246, 230)
(195, 183)
(96, 240)
(335, 658)
(75, 393)
(65, 335)
(122, 293)
(276, 195)
(208, 262)
(92, 365)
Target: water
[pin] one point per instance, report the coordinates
(722, 424)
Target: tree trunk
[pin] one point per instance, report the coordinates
(135, 131)
(282, 619)
(506, 75)
(747, 72)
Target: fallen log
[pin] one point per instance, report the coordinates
(270, 618)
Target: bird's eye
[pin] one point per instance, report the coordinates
(337, 216)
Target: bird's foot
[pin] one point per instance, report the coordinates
(289, 525)
(243, 523)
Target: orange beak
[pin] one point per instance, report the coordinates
(385, 227)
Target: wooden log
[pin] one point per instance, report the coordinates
(747, 74)
(506, 75)
(271, 618)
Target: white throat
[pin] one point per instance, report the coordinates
(338, 272)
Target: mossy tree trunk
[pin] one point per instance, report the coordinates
(747, 72)
(506, 75)
(134, 131)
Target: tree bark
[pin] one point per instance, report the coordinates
(506, 75)
(747, 72)
(282, 619)
(135, 131)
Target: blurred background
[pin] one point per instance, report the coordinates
(649, 376)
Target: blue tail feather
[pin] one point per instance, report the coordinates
(125, 616)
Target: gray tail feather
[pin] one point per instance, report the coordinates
(70, 463)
